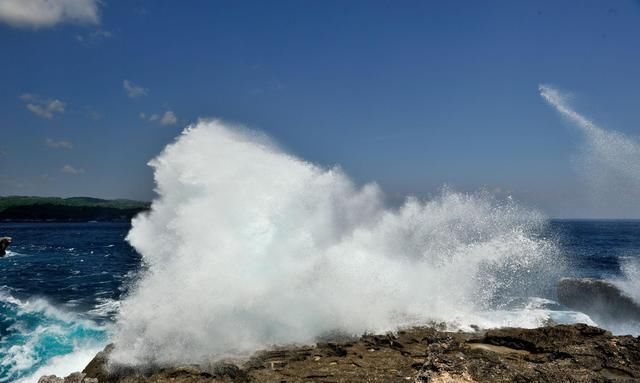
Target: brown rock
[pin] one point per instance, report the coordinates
(76, 377)
(565, 353)
(50, 379)
(97, 368)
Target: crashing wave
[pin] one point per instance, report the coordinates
(248, 246)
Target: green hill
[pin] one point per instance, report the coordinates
(22, 208)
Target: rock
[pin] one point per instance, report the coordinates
(4, 243)
(50, 379)
(565, 353)
(544, 339)
(230, 371)
(97, 367)
(76, 377)
(601, 300)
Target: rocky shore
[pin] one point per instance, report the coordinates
(563, 353)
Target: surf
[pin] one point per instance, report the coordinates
(247, 246)
(38, 337)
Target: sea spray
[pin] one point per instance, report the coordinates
(610, 161)
(629, 283)
(248, 246)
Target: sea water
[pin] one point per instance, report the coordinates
(62, 282)
(60, 285)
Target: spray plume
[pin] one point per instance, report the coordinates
(248, 246)
(610, 161)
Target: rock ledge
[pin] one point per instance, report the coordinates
(565, 353)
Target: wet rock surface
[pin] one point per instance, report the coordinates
(4, 243)
(564, 353)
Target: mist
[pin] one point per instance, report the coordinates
(608, 163)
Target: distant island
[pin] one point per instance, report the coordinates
(74, 209)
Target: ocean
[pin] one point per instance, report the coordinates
(61, 285)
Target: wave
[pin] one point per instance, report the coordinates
(10, 253)
(611, 303)
(248, 246)
(37, 337)
(533, 316)
(105, 308)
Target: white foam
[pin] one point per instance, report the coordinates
(249, 246)
(105, 307)
(52, 323)
(10, 253)
(64, 365)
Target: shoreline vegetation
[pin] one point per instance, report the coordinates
(562, 353)
(73, 209)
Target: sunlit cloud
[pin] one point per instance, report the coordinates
(48, 13)
(68, 169)
(43, 107)
(94, 36)
(168, 118)
(58, 144)
(134, 90)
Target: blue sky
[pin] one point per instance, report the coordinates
(410, 94)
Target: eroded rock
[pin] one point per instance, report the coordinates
(565, 353)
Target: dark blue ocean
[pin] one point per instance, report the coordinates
(61, 283)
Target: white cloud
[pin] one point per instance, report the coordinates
(58, 144)
(45, 108)
(48, 13)
(133, 90)
(94, 36)
(169, 118)
(71, 170)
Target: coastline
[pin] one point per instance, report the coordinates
(73, 209)
(567, 353)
